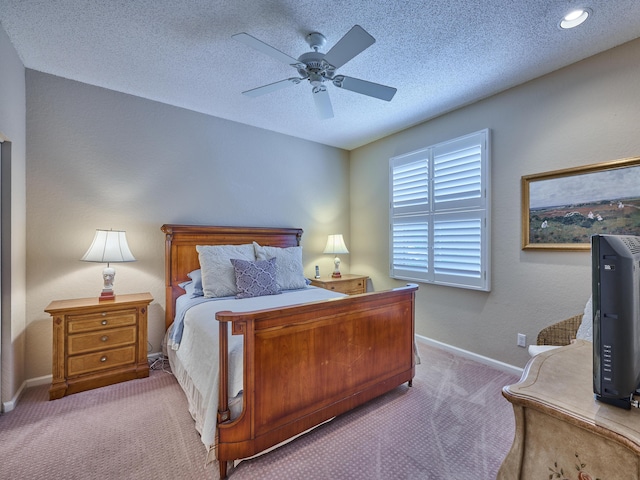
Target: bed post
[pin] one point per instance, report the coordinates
(224, 414)
(168, 288)
(223, 396)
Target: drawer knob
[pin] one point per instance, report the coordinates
(104, 314)
(103, 359)
(104, 338)
(103, 322)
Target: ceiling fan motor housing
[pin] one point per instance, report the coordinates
(314, 65)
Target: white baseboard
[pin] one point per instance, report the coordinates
(44, 380)
(34, 382)
(505, 367)
(31, 382)
(11, 404)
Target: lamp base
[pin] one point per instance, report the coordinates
(107, 295)
(336, 268)
(108, 275)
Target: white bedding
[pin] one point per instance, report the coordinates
(195, 361)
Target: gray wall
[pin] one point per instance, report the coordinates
(102, 159)
(12, 129)
(584, 114)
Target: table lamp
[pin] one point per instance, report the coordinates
(108, 246)
(335, 245)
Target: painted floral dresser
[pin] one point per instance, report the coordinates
(562, 432)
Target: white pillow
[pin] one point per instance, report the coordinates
(585, 330)
(289, 271)
(218, 275)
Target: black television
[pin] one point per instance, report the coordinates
(615, 264)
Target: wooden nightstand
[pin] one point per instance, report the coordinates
(350, 284)
(98, 343)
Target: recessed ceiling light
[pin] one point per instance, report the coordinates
(575, 18)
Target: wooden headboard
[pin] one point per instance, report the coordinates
(181, 256)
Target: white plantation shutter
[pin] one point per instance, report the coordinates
(439, 222)
(410, 189)
(457, 250)
(410, 243)
(457, 177)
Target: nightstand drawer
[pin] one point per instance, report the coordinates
(94, 362)
(107, 338)
(349, 284)
(98, 321)
(350, 287)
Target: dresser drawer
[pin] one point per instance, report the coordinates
(101, 320)
(101, 340)
(94, 362)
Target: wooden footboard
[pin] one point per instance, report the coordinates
(306, 364)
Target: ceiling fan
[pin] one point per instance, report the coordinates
(319, 68)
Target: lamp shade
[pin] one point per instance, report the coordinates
(109, 246)
(335, 244)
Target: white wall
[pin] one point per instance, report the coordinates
(584, 114)
(101, 159)
(12, 128)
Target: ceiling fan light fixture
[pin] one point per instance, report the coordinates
(315, 79)
(575, 18)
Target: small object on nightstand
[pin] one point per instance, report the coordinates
(317, 272)
(98, 343)
(349, 284)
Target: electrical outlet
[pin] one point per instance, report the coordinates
(522, 340)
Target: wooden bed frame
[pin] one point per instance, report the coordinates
(303, 364)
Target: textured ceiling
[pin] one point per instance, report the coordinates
(439, 54)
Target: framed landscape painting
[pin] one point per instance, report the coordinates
(563, 208)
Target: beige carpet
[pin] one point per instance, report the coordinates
(452, 424)
(138, 429)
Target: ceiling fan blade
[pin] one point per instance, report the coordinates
(366, 88)
(272, 87)
(264, 48)
(355, 41)
(323, 102)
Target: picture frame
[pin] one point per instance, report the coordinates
(561, 209)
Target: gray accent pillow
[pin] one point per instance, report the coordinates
(255, 279)
(196, 277)
(289, 271)
(218, 276)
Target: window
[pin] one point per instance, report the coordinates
(440, 213)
